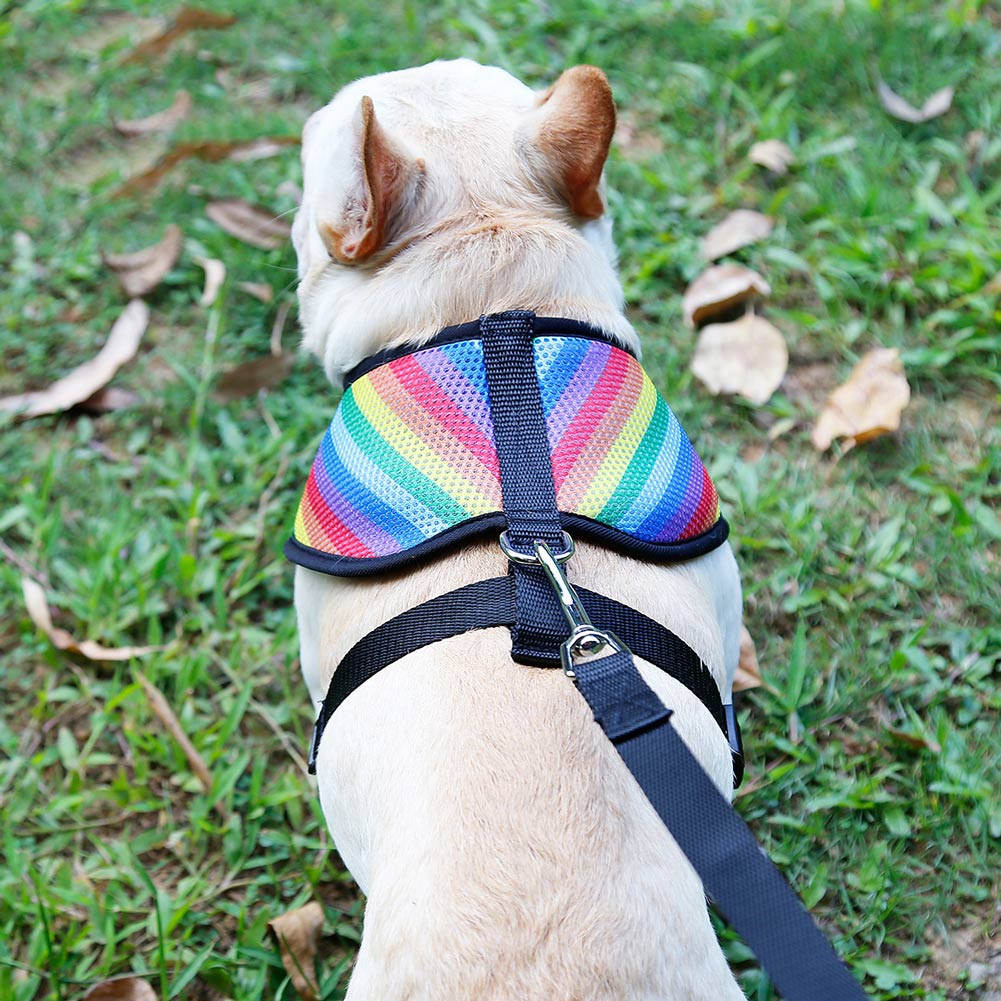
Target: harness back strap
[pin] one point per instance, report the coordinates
(494, 602)
(738, 876)
(526, 476)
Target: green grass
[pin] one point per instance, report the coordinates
(872, 577)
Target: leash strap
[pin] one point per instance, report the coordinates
(526, 476)
(491, 603)
(738, 876)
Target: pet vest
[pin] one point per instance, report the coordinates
(409, 464)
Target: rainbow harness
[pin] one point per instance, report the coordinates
(409, 464)
(542, 427)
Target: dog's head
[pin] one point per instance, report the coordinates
(403, 170)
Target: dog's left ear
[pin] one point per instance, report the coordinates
(380, 178)
(567, 137)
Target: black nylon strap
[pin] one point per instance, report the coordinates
(738, 876)
(526, 476)
(488, 603)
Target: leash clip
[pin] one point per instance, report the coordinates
(585, 639)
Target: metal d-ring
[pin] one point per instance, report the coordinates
(532, 559)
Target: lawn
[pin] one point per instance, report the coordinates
(871, 574)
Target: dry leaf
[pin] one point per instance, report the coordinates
(259, 373)
(747, 357)
(108, 399)
(868, 404)
(917, 741)
(297, 934)
(209, 150)
(85, 380)
(938, 104)
(215, 275)
(249, 223)
(161, 709)
(162, 121)
(278, 328)
(260, 291)
(38, 608)
(718, 290)
(187, 19)
(773, 154)
(993, 287)
(122, 989)
(748, 672)
(141, 271)
(737, 230)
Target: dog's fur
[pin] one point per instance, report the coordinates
(504, 849)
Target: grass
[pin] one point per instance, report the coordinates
(872, 577)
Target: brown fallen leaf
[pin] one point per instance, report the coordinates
(142, 270)
(249, 223)
(209, 150)
(108, 399)
(737, 230)
(868, 404)
(215, 275)
(748, 672)
(85, 380)
(122, 989)
(250, 376)
(260, 291)
(38, 608)
(161, 709)
(747, 357)
(278, 328)
(297, 934)
(187, 19)
(162, 121)
(993, 287)
(773, 154)
(917, 741)
(938, 104)
(718, 290)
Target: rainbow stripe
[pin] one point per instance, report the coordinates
(409, 455)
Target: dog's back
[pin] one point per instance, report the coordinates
(505, 851)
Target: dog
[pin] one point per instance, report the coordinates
(504, 850)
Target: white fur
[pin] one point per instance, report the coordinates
(505, 851)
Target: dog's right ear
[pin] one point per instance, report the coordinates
(567, 137)
(380, 174)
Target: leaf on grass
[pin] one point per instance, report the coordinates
(85, 380)
(868, 404)
(773, 154)
(737, 230)
(209, 150)
(162, 121)
(249, 223)
(122, 989)
(938, 104)
(108, 399)
(260, 291)
(720, 289)
(258, 373)
(215, 275)
(141, 271)
(747, 357)
(993, 287)
(297, 934)
(38, 608)
(161, 709)
(748, 672)
(917, 741)
(187, 19)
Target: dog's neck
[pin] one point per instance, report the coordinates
(464, 268)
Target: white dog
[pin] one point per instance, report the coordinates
(505, 851)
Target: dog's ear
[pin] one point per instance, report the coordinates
(380, 174)
(568, 136)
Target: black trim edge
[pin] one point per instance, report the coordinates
(353, 566)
